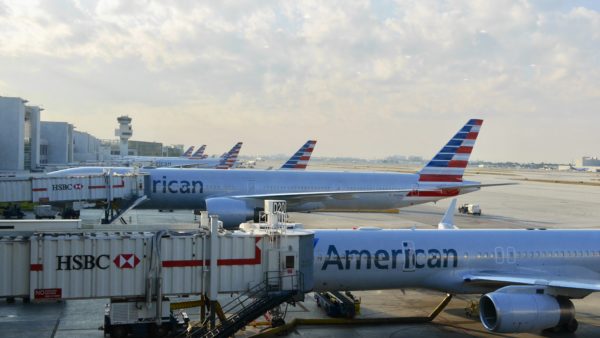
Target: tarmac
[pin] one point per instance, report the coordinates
(542, 199)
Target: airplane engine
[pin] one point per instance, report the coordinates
(509, 312)
(231, 211)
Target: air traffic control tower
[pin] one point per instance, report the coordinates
(124, 133)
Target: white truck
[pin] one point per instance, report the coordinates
(471, 209)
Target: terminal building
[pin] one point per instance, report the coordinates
(585, 163)
(20, 135)
(588, 162)
(29, 144)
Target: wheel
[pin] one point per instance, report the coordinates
(572, 325)
(118, 331)
(277, 322)
(158, 331)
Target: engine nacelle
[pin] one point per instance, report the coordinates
(507, 311)
(231, 211)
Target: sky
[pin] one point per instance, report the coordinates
(366, 79)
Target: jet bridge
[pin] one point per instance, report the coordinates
(77, 192)
(139, 271)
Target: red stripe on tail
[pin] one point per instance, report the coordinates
(439, 178)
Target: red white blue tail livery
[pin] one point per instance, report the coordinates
(449, 164)
(230, 158)
(199, 154)
(300, 159)
(188, 152)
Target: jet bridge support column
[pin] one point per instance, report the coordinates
(213, 290)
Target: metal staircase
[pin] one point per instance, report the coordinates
(248, 306)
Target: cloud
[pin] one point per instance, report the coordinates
(369, 78)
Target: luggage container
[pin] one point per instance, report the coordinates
(44, 211)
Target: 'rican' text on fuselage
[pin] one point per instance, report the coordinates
(177, 186)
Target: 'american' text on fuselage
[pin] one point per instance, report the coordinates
(407, 258)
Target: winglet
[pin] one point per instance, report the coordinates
(447, 222)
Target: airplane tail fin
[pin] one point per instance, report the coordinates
(447, 221)
(199, 154)
(449, 164)
(300, 159)
(229, 159)
(188, 152)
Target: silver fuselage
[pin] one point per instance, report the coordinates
(189, 188)
(440, 259)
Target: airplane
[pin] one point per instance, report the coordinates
(300, 159)
(188, 152)
(238, 195)
(527, 278)
(199, 154)
(131, 160)
(225, 162)
(578, 169)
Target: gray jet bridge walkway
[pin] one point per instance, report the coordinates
(144, 272)
(78, 192)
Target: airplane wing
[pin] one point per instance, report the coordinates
(502, 279)
(349, 194)
(340, 194)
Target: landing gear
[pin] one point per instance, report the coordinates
(472, 309)
(158, 331)
(571, 326)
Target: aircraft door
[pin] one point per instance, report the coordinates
(289, 266)
(409, 260)
(499, 255)
(251, 184)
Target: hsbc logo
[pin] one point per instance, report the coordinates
(90, 262)
(59, 187)
(126, 261)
